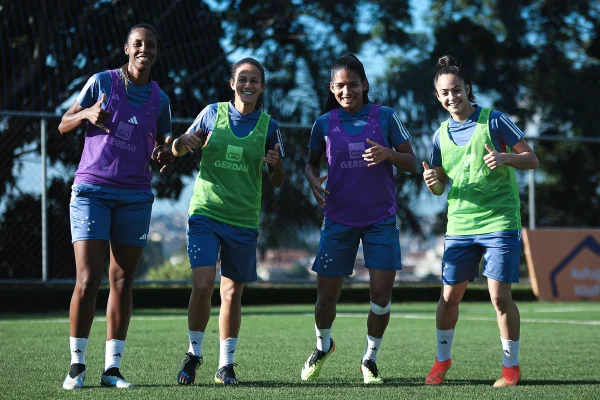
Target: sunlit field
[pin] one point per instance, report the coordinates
(559, 355)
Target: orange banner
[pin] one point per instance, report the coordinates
(564, 264)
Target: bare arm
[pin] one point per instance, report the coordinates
(312, 172)
(76, 115)
(522, 158)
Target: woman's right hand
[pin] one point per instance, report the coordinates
(317, 189)
(97, 115)
(193, 140)
(429, 175)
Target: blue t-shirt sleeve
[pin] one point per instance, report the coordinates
(318, 133)
(164, 117)
(205, 120)
(92, 91)
(397, 132)
(435, 160)
(274, 137)
(504, 130)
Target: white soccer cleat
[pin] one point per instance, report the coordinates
(74, 383)
(115, 379)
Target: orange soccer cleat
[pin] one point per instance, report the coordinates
(510, 376)
(438, 372)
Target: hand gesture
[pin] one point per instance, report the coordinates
(493, 159)
(97, 116)
(375, 154)
(315, 185)
(429, 175)
(193, 140)
(272, 157)
(163, 155)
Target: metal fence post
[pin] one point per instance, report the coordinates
(532, 195)
(44, 200)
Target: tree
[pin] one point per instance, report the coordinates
(535, 61)
(53, 50)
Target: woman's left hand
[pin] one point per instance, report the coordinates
(272, 157)
(493, 159)
(375, 154)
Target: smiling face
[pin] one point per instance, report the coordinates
(247, 85)
(348, 89)
(453, 93)
(142, 48)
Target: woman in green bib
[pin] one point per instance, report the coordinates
(478, 149)
(237, 140)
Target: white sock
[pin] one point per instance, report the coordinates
(196, 338)
(78, 347)
(373, 345)
(444, 344)
(227, 348)
(113, 353)
(323, 339)
(510, 349)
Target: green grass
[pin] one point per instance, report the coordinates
(559, 355)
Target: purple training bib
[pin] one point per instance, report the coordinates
(359, 195)
(121, 158)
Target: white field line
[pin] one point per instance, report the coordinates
(563, 310)
(339, 315)
(485, 319)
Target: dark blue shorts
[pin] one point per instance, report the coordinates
(237, 246)
(501, 253)
(107, 213)
(339, 245)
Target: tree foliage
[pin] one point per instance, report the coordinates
(537, 60)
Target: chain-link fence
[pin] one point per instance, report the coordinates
(35, 233)
(49, 50)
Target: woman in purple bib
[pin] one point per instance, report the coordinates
(363, 142)
(111, 202)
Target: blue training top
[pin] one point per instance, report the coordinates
(394, 132)
(502, 130)
(241, 125)
(102, 83)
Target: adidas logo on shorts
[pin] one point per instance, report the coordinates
(133, 120)
(144, 237)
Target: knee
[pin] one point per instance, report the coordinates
(122, 282)
(202, 290)
(231, 294)
(88, 282)
(326, 301)
(450, 300)
(377, 309)
(501, 302)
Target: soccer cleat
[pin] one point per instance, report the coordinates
(510, 376)
(226, 375)
(370, 372)
(75, 381)
(312, 366)
(438, 372)
(112, 378)
(187, 373)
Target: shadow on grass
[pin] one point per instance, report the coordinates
(389, 382)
